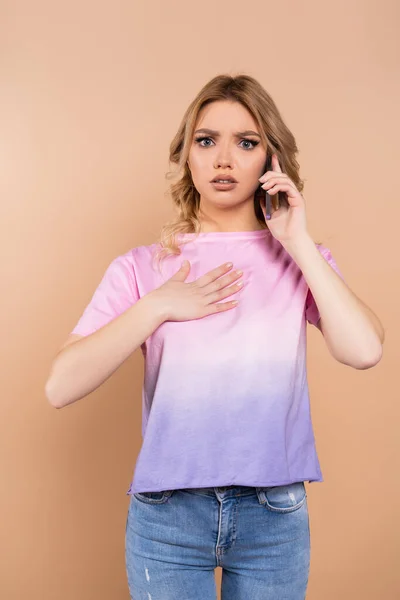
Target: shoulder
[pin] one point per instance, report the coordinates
(138, 261)
(137, 254)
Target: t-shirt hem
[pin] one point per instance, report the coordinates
(260, 484)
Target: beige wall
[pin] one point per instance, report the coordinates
(91, 95)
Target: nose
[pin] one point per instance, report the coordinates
(224, 158)
(222, 162)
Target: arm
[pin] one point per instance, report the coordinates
(83, 366)
(353, 333)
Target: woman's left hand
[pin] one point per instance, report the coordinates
(286, 224)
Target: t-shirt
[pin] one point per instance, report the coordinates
(225, 398)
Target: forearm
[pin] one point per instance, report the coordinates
(353, 333)
(84, 365)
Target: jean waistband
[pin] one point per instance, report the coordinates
(228, 490)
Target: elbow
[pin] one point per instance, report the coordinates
(362, 356)
(51, 395)
(372, 359)
(362, 363)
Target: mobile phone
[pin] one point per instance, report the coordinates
(281, 200)
(268, 211)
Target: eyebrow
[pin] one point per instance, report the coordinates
(237, 134)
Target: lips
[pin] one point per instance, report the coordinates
(224, 178)
(230, 185)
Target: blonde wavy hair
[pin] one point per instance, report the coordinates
(275, 135)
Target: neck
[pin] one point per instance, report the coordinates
(209, 224)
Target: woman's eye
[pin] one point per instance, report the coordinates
(199, 140)
(203, 139)
(254, 144)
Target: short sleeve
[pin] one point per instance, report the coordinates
(312, 312)
(116, 292)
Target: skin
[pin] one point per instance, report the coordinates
(231, 210)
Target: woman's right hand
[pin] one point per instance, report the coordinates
(181, 301)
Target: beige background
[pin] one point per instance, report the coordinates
(92, 94)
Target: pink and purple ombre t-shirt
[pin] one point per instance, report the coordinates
(225, 398)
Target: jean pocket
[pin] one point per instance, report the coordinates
(283, 498)
(153, 497)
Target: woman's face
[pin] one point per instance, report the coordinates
(231, 150)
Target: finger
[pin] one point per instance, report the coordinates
(272, 175)
(275, 164)
(221, 294)
(276, 181)
(221, 307)
(222, 282)
(276, 177)
(283, 187)
(213, 274)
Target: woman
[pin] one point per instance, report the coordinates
(228, 438)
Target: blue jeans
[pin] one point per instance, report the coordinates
(260, 537)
